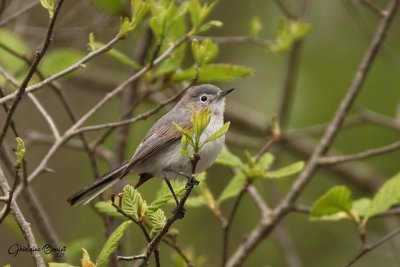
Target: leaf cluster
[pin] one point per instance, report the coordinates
(337, 203)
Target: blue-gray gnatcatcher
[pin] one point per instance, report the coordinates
(159, 153)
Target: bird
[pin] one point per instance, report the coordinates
(159, 153)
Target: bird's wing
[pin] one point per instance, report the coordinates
(162, 134)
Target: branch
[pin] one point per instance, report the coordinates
(329, 160)
(66, 71)
(266, 225)
(236, 40)
(46, 116)
(24, 9)
(138, 223)
(369, 247)
(22, 223)
(377, 10)
(142, 116)
(56, 88)
(35, 101)
(71, 131)
(36, 61)
(130, 98)
(173, 244)
(178, 214)
(37, 137)
(286, 96)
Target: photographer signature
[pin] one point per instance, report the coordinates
(57, 251)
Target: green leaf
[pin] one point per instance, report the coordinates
(289, 32)
(164, 14)
(204, 52)
(198, 13)
(255, 26)
(133, 203)
(208, 196)
(14, 41)
(110, 6)
(105, 207)
(233, 188)
(195, 12)
(361, 206)
(49, 5)
(111, 245)
(265, 161)
(118, 56)
(74, 246)
(286, 171)
(336, 200)
(177, 30)
(92, 42)
(200, 121)
(213, 73)
(228, 158)
(157, 220)
(221, 131)
(85, 261)
(275, 127)
(210, 24)
(195, 202)
(387, 195)
(59, 59)
(139, 10)
(125, 27)
(19, 152)
(54, 264)
(163, 197)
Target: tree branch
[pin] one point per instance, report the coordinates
(22, 223)
(36, 61)
(369, 247)
(330, 160)
(266, 225)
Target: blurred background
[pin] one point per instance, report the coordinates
(327, 61)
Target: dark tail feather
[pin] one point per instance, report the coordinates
(88, 193)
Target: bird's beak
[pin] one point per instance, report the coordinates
(224, 93)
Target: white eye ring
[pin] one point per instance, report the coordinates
(203, 98)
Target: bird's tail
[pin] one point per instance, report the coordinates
(88, 193)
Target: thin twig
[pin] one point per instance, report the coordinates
(178, 214)
(129, 98)
(19, 12)
(141, 226)
(381, 119)
(142, 116)
(2, 6)
(71, 131)
(284, 9)
(41, 138)
(265, 210)
(36, 61)
(369, 247)
(11, 194)
(58, 75)
(266, 225)
(236, 40)
(46, 116)
(36, 102)
(328, 160)
(64, 102)
(287, 93)
(22, 223)
(173, 244)
(377, 10)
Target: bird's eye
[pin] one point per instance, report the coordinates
(203, 98)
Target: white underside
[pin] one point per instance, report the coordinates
(171, 157)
